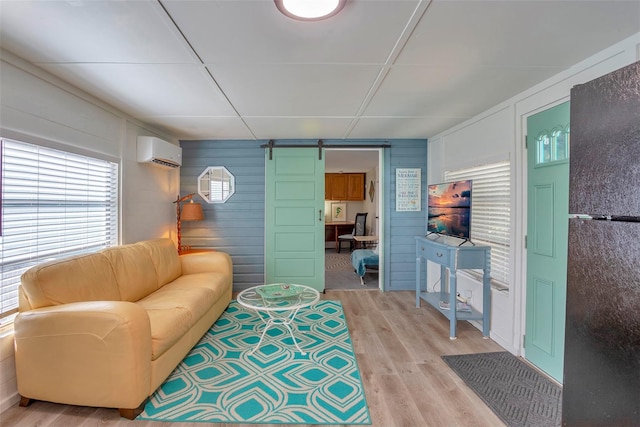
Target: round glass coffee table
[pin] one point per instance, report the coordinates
(278, 304)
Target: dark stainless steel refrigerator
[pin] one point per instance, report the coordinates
(602, 338)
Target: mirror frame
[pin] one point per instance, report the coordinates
(218, 174)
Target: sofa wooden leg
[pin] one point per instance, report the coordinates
(25, 401)
(132, 413)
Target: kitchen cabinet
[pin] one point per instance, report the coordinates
(337, 186)
(355, 186)
(344, 186)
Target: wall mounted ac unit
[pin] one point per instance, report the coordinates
(156, 151)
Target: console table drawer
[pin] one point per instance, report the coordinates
(438, 255)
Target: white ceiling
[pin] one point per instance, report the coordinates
(238, 69)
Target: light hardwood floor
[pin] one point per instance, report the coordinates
(398, 349)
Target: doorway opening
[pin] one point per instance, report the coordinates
(365, 166)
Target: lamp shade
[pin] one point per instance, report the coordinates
(191, 212)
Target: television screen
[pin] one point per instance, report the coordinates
(449, 209)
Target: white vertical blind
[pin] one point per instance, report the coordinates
(54, 204)
(491, 213)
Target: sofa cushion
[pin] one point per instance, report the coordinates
(165, 259)
(216, 283)
(177, 306)
(81, 278)
(134, 271)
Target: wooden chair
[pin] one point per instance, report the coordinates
(358, 230)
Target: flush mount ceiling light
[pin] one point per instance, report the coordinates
(310, 10)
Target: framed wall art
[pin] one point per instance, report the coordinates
(338, 212)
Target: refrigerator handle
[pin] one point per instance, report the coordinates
(620, 218)
(625, 218)
(580, 216)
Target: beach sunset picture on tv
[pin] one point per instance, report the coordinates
(449, 209)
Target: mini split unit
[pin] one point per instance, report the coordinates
(155, 151)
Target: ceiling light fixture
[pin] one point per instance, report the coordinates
(310, 10)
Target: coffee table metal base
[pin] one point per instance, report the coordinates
(277, 319)
(278, 304)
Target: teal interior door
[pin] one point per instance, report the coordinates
(547, 238)
(294, 228)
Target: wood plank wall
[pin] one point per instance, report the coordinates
(237, 226)
(401, 227)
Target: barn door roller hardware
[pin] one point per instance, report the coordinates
(320, 144)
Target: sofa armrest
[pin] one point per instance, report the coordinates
(204, 262)
(94, 353)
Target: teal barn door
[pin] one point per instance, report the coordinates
(294, 217)
(547, 238)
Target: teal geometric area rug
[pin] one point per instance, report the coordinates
(219, 381)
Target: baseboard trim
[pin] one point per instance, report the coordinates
(9, 401)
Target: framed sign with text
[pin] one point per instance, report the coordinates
(408, 189)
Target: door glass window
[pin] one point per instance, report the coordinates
(552, 146)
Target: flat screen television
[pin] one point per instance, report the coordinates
(449, 209)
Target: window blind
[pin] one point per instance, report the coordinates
(54, 204)
(491, 213)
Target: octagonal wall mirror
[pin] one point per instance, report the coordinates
(216, 184)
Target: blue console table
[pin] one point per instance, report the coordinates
(446, 252)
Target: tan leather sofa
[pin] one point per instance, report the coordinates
(106, 329)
